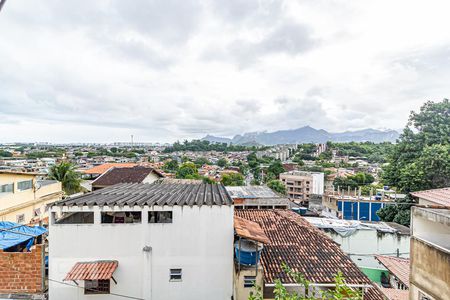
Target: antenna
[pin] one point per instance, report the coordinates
(131, 141)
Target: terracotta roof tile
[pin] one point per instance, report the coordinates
(438, 196)
(95, 270)
(305, 249)
(105, 167)
(399, 267)
(250, 230)
(395, 294)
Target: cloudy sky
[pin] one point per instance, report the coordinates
(166, 70)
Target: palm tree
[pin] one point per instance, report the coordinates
(65, 173)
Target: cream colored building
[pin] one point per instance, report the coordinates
(300, 185)
(23, 198)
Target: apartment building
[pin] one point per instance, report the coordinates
(23, 197)
(301, 185)
(165, 240)
(430, 254)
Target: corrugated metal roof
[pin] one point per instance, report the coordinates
(156, 193)
(251, 192)
(95, 270)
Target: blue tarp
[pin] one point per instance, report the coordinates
(18, 234)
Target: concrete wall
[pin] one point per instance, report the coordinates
(430, 271)
(21, 272)
(241, 292)
(199, 241)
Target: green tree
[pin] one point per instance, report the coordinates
(65, 173)
(199, 162)
(233, 179)
(340, 291)
(188, 170)
(277, 186)
(222, 162)
(170, 166)
(276, 168)
(4, 153)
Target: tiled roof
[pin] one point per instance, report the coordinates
(105, 167)
(438, 196)
(250, 230)
(399, 267)
(115, 175)
(395, 294)
(156, 193)
(95, 270)
(302, 247)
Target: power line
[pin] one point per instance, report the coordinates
(72, 285)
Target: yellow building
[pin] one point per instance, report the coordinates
(23, 198)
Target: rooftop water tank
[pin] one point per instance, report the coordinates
(249, 253)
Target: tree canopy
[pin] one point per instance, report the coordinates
(277, 186)
(233, 179)
(65, 173)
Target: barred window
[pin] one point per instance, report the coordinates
(96, 286)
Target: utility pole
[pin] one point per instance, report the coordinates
(131, 141)
(2, 2)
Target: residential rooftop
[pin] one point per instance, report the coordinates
(251, 192)
(154, 194)
(305, 249)
(105, 167)
(399, 267)
(115, 175)
(438, 196)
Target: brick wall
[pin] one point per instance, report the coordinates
(21, 272)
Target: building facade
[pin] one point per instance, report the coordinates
(301, 185)
(161, 241)
(430, 254)
(23, 198)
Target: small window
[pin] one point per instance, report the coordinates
(37, 212)
(249, 281)
(96, 286)
(75, 218)
(160, 217)
(25, 185)
(175, 275)
(7, 188)
(20, 218)
(124, 217)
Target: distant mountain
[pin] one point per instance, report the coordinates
(307, 134)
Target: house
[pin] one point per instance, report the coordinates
(300, 185)
(260, 197)
(22, 263)
(430, 254)
(165, 240)
(136, 174)
(100, 169)
(294, 241)
(395, 285)
(23, 197)
(433, 197)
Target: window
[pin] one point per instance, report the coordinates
(160, 217)
(7, 188)
(123, 217)
(249, 281)
(96, 286)
(175, 275)
(37, 212)
(20, 218)
(75, 218)
(25, 185)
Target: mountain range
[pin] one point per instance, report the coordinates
(306, 134)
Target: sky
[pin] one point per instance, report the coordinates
(100, 71)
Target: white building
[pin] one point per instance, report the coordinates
(149, 241)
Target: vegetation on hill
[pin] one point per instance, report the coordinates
(421, 158)
(199, 145)
(4, 153)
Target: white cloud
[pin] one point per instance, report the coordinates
(167, 70)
